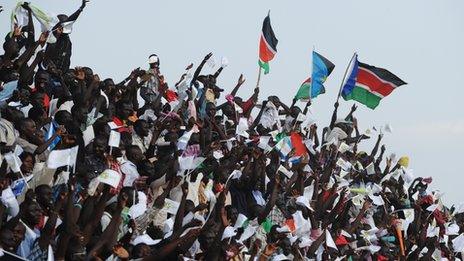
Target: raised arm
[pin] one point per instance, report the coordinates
(334, 116)
(181, 210)
(376, 147)
(200, 67)
(272, 200)
(240, 81)
(47, 232)
(76, 14)
(30, 25)
(41, 148)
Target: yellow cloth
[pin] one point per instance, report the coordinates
(210, 96)
(404, 161)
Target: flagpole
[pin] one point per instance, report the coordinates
(259, 77)
(311, 78)
(344, 76)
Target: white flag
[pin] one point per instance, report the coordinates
(110, 177)
(88, 135)
(60, 158)
(329, 240)
(115, 139)
(183, 141)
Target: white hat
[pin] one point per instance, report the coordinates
(153, 59)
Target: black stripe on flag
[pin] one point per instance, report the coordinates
(268, 34)
(383, 74)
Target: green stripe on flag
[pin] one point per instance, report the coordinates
(264, 65)
(364, 96)
(303, 92)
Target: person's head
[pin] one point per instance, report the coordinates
(59, 30)
(31, 212)
(108, 86)
(13, 115)
(141, 128)
(232, 214)
(101, 128)
(28, 162)
(208, 81)
(211, 109)
(153, 61)
(294, 111)
(37, 99)
(229, 110)
(194, 139)
(79, 113)
(63, 117)
(37, 114)
(255, 209)
(131, 194)
(24, 96)
(27, 127)
(44, 196)
(7, 240)
(134, 154)
(18, 232)
(124, 109)
(99, 146)
(88, 72)
(141, 250)
(42, 79)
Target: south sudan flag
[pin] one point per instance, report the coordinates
(313, 86)
(368, 84)
(267, 45)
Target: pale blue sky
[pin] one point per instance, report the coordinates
(421, 41)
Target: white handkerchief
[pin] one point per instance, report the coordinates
(247, 233)
(228, 233)
(286, 172)
(211, 62)
(377, 200)
(224, 62)
(458, 243)
(240, 220)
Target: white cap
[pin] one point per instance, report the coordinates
(153, 59)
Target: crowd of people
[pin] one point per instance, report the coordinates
(97, 170)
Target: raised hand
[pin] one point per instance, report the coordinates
(353, 108)
(61, 130)
(241, 80)
(208, 56)
(25, 6)
(17, 30)
(84, 3)
(43, 38)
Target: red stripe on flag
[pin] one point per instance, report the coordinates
(297, 142)
(265, 54)
(371, 80)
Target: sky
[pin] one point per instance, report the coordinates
(418, 40)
